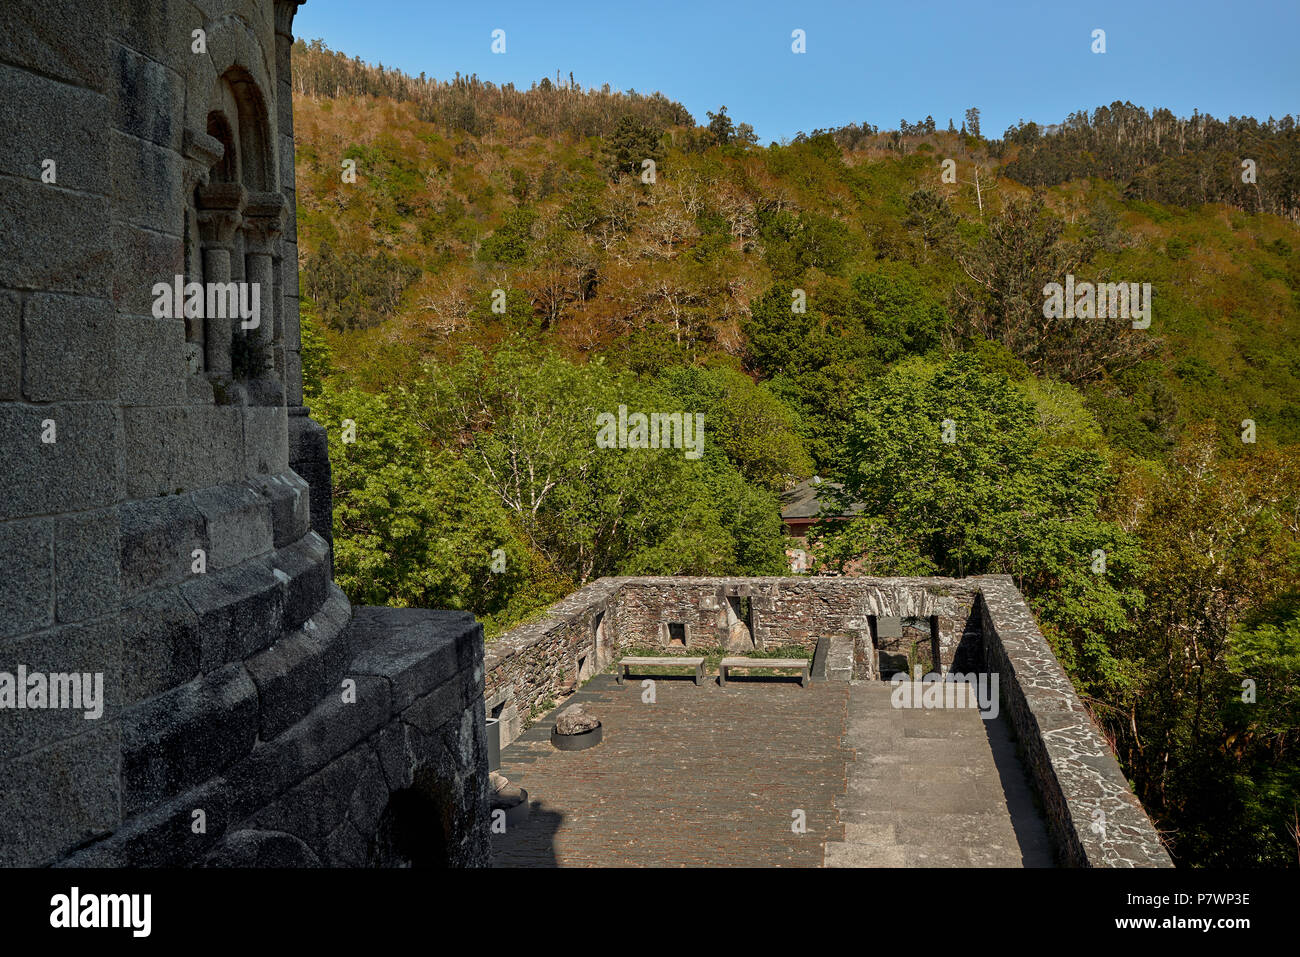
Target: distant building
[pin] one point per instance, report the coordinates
(807, 503)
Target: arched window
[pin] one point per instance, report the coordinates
(233, 248)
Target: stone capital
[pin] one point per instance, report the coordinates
(202, 152)
(264, 215)
(220, 211)
(284, 14)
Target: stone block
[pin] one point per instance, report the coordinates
(79, 470)
(150, 360)
(161, 28)
(64, 40)
(297, 671)
(154, 451)
(63, 245)
(148, 100)
(309, 457)
(239, 611)
(289, 288)
(11, 346)
(87, 559)
(159, 536)
(288, 496)
(316, 806)
(286, 160)
(445, 703)
(68, 348)
(80, 669)
(172, 450)
(164, 836)
(56, 122)
(304, 572)
(26, 576)
(266, 440)
(160, 645)
(177, 740)
(292, 377)
(333, 727)
(416, 649)
(238, 523)
(140, 258)
(148, 186)
(370, 797)
(217, 454)
(59, 797)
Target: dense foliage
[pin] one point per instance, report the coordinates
(504, 269)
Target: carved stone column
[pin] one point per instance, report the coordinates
(263, 221)
(202, 152)
(220, 214)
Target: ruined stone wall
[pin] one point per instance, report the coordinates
(984, 625)
(166, 517)
(798, 611)
(1093, 817)
(536, 663)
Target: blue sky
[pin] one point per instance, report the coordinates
(866, 61)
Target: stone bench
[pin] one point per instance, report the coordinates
(728, 663)
(674, 661)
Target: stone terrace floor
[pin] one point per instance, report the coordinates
(710, 776)
(934, 788)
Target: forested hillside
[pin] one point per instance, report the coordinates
(485, 269)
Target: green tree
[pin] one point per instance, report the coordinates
(411, 526)
(630, 144)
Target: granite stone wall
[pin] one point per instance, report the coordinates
(1094, 818)
(166, 521)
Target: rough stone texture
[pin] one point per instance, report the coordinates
(575, 720)
(26, 576)
(87, 549)
(160, 536)
(1073, 767)
(11, 360)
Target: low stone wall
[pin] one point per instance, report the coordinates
(537, 665)
(1093, 817)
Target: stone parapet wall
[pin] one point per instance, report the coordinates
(1094, 818)
(538, 663)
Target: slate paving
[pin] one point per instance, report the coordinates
(934, 788)
(712, 777)
(704, 777)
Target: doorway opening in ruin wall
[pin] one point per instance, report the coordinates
(738, 634)
(677, 637)
(599, 640)
(902, 644)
